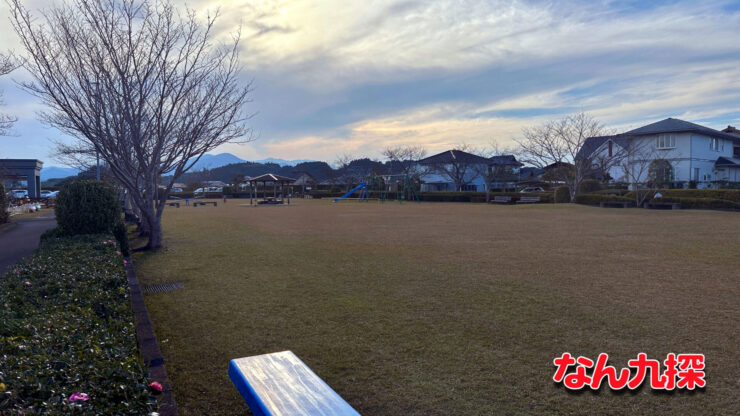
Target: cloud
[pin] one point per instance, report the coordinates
(332, 78)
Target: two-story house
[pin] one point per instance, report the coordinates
(693, 152)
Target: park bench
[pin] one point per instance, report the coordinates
(281, 384)
(662, 205)
(195, 204)
(501, 200)
(173, 204)
(528, 200)
(615, 204)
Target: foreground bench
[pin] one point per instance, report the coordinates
(195, 204)
(281, 384)
(528, 200)
(615, 204)
(501, 200)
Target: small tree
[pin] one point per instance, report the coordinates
(640, 155)
(137, 83)
(558, 143)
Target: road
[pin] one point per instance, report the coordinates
(21, 238)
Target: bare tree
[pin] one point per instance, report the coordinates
(639, 155)
(402, 158)
(457, 165)
(7, 65)
(558, 143)
(138, 83)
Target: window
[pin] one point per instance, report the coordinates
(666, 141)
(469, 188)
(714, 144)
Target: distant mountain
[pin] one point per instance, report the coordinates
(55, 172)
(209, 161)
(283, 162)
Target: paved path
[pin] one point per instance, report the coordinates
(21, 238)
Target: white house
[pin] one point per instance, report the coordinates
(694, 152)
(446, 170)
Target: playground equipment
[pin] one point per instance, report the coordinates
(362, 185)
(401, 184)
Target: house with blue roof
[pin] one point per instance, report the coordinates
(694, 152)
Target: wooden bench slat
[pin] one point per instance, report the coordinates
(281, 384)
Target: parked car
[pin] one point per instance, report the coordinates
(532, 189)
(45, 193)
(18, 193)
(209, 189)
(176, 190)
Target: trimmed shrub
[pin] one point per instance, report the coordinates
(66, 326)
(87, 207)
(589, 186)
(700, 203)
(725, 194)
(562, 195)
(3, 205)
(620, 192)
(596, 199)
(120, 231)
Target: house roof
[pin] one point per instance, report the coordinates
(727, 161)
(592, 143)
(504, 160)
(674, 125)
(454, 156)
(669, 125)
(271, 177)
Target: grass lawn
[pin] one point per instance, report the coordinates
(442, 309)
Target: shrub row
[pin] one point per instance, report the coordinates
(562, 195)
(724, 194)
(87, 207)
(439, 196)
(66, 327)
(701, 203)
(596, 199)
(3, 205)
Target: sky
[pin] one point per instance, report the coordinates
(351, 77)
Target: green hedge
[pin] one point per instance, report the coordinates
(440, 196)
(700, 203)
(596, 199)
(3, 205)
(722, 194)
(562, 195)
(612, 191)
(589, 186)
(87, 207)
(65, 327)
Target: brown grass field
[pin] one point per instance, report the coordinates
(448, 309)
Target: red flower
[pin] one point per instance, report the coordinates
(156, 386)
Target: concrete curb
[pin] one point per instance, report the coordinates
(148, 344)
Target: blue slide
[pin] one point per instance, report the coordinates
(357, 188)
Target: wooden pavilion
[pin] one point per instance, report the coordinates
(278, 182)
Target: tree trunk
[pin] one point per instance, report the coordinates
(155, 235)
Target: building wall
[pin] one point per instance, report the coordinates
(440, 182)
(692, 158)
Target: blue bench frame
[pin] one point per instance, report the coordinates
(281, 384)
